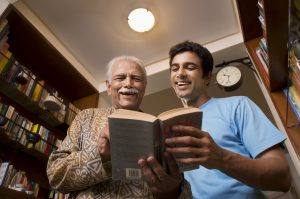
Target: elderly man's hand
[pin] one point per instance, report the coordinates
(104, 145)
(162, 184)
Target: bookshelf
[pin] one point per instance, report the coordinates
(12, 194)
(32, 50)
(275, 30)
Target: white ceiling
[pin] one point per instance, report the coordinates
(95, 31)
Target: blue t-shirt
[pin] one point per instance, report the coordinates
(238, 125)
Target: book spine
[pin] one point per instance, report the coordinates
(3, 171)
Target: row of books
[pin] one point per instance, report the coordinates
(261, 16)
(17, 180)
(28, 83)
(293, 92)
(58, 195)
(262, 49)
(20, 129)
(294, 26)
(262, 54)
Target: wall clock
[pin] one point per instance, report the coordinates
(229, 78)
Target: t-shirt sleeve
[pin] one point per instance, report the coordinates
(256, 131)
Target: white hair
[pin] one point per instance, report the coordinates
(136, 60)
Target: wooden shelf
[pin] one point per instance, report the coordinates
(31, 109)
(279, 100)
(251, 46)
(32, 50)
(7, 193)
(276, 34)
(288, 118)
(5, 141)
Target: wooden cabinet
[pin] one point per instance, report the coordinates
(273, 26)
(34, 51)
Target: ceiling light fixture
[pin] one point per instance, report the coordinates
(141, 20)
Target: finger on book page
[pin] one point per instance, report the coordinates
(184, 141)
(181, 130)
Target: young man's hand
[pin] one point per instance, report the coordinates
(203, 149)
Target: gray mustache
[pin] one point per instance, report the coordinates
(128, 91)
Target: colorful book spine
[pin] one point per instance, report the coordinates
(34, 130)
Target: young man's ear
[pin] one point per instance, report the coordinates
(208, 78)
(108, 86)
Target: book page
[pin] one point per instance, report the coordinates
(188, 117)
(178, 111)
(130, 114)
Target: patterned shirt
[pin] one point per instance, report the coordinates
(76, 166)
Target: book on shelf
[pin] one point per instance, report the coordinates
(262, 22)
(294, 100)
(37, 91)
(135, 134)
(31, 85)
(3, 111)
(263, 44)
(264, 62)
(3, 171)
(260, 4)
(4, 62)
(34, 130)
(11, 122)
(15, 130)
(9, 175)
(295, 81)
(9, 114)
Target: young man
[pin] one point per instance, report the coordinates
(238, 149)
(81, 166)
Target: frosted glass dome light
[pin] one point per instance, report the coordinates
(141, 20)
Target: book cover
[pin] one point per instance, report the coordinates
(135, 135)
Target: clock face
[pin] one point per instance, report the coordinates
(229, 77)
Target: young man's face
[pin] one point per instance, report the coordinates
(127, 86)
(186, 76)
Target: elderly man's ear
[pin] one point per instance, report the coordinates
(108, 87)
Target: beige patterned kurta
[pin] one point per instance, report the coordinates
(76, 166)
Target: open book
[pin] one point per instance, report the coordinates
(136, 134)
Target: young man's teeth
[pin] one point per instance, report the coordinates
(182, 83)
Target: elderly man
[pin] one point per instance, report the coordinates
(81, 166)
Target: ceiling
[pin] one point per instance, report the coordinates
(95, 31)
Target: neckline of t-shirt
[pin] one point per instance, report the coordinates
(206, 103)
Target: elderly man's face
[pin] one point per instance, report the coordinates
(127, 86)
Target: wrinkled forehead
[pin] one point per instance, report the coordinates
(127, 67)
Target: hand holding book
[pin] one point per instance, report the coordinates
(162, 184)
(206, 152)
(104, 145)
(135, 135)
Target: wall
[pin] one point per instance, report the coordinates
(249, 87)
